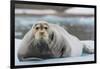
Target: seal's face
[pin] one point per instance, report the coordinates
(41, 30)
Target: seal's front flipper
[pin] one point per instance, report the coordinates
(30, 59)
(88, 48)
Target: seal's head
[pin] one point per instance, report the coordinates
(41, 30)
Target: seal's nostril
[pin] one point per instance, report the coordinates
(41, 33)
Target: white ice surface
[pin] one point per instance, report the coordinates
(88, 11)
(84, 57)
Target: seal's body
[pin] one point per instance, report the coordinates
(46, 40)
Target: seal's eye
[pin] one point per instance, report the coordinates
(37, 28)
(46, 28)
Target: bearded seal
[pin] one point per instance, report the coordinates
(45, 40)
